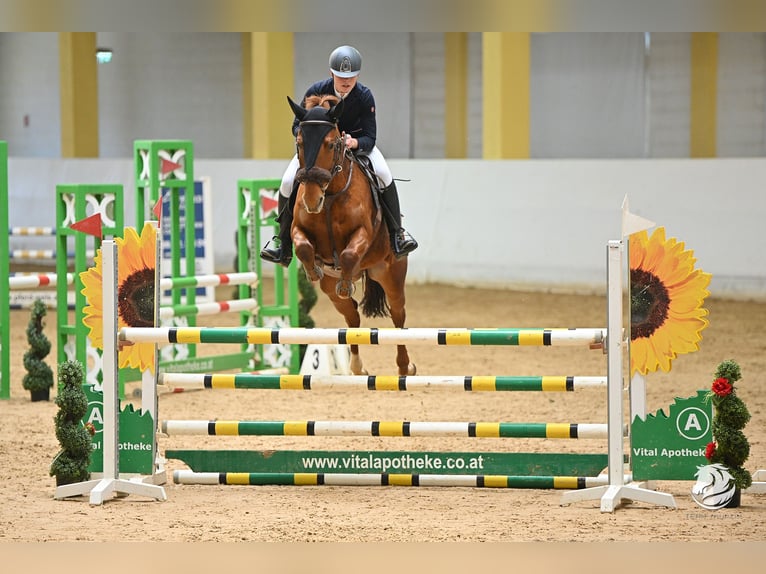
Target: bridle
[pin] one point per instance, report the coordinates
(323, 178)
(319, 176)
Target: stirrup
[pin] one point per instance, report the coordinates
(276, 254)
(403, 243)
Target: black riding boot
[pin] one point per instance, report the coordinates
(283, 252)
(402, 242)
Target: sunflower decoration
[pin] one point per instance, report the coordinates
(135, 294)
(666, 297)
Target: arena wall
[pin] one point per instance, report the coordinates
(539, 224)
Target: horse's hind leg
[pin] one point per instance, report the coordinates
(393, 285)
(348, 308)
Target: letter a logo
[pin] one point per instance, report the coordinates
(692, 423)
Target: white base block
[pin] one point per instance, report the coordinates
(326, 360)
(759, 483)
(101, 490)
(612, 496)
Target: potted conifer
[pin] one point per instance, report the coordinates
(730, 446)
(71, 463)
(39, 378)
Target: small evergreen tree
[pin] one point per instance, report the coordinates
(730, 447)
(71, 463)
(39, 377)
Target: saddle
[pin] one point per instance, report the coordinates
(365, 165)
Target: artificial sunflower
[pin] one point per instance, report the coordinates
(136, 258)
(666, 297)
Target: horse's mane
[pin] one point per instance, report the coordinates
(325, 101)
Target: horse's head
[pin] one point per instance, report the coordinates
(320, 147)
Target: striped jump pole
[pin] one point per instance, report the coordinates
(173, 388)
(385, 428)
(32, 254)
(24, 290)
(32, 231)
(386, 479)
(215, 280)
(27, 254)
(211, 308)
(37, 280)
(593, 338)
(380, 382)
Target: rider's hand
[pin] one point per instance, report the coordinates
(351, 143)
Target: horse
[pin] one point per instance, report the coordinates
(338, 231)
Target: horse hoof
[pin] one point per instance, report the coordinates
(358, 369)
(344, 289)
(408, 371)
(316, 273)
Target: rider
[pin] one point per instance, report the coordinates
(358, 127)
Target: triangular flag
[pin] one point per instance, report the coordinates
(632, 223)
(166, 166)
(90, 225)
(157, 209)
(268, 204)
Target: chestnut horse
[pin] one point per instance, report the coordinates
(338, 231)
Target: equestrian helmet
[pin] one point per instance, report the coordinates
(345, 62)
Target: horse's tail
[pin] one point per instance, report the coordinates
(374, 303)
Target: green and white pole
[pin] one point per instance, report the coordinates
(589, 337)
(480, 383)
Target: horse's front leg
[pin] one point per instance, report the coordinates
(349, 309)
(304, 251)
(350, 262)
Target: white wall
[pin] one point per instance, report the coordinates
(668, 94)
(29, 68)
(741, 117)
(531, 224)
(587, 95)
(594, 95)
(171, 86)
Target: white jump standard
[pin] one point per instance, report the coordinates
(111, 484)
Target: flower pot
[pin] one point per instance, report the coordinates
(735, 500)
(43, 395)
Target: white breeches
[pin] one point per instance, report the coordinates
(379, 166)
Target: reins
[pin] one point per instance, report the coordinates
(329, 200)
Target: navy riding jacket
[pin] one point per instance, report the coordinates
(358, 117)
